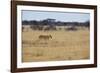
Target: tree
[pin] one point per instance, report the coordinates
(25, 22)
(87, 24)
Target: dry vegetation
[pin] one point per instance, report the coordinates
(64, 45)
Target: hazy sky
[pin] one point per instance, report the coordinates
(59, 16)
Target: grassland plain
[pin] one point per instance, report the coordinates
(64, 45)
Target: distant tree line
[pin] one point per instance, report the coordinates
(52, 23)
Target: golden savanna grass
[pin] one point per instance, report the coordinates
(64, 45)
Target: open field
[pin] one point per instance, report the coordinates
(64, 45)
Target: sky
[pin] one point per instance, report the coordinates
(59, 16)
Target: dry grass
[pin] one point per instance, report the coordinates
(64, 45)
